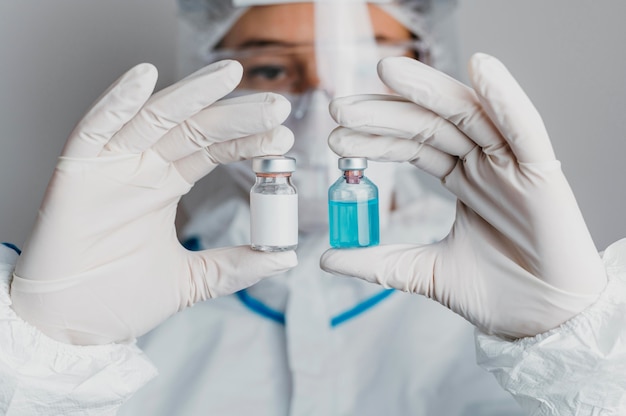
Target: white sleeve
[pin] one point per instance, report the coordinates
(39, 375)
(578, 368)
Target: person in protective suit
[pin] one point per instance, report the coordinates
(105, 265)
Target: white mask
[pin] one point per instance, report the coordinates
(316, 164)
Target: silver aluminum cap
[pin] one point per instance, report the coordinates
(352, 163)
(273, 164)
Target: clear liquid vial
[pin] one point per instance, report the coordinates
(273, 205)
(353, 207)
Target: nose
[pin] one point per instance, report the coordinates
(309, 78)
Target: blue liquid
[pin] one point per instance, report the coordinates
(353, 224)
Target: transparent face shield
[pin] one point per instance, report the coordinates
(338, 59)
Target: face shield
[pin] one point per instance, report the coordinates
(310, 53)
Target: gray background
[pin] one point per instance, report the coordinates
(58, 56)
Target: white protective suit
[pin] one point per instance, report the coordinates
(578, 368)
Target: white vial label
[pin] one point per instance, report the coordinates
(273, 219)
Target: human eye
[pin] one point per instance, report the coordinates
(269, 75)
(266, 72)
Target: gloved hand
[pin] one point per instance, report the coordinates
(519, 259)
(103, 263)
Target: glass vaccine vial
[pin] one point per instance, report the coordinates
(273, 205)
(353, 207)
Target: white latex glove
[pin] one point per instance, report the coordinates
(519, 259)
(103, 262)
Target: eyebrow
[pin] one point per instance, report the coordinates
(252, 43)
(259, 42)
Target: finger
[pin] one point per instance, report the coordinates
(400, 266)
(224, 271)
(348, 143)
(274, 142)
(510, 109)
(175, 104)
(115, 107)
(224, 120)
(444, 96)
(395, 116)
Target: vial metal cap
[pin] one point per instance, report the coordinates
(352, 163)
(273, 164)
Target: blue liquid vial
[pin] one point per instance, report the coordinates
(353, 207)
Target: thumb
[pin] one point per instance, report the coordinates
(223, 271)
(405, 267)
